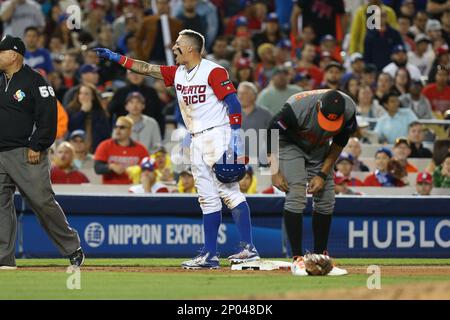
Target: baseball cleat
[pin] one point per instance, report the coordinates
(298, 267)
(8, 268)
(248, 253)
(202, 261)
(77, 258)
(337, 272)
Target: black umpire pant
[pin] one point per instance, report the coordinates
(33, 182)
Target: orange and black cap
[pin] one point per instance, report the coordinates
(331, 111)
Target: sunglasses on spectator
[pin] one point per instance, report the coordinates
(121, 127)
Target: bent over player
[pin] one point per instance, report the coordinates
(307, 124)
(204, 91)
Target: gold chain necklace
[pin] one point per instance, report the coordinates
(186, 74)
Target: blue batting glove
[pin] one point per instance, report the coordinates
(107, 54)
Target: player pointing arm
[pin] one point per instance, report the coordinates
(212, 114)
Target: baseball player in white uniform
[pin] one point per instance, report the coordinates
(212, 114)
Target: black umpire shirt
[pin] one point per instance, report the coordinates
(28, 113)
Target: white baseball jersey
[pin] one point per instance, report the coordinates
(200, 94)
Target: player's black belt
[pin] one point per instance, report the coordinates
(193, 135)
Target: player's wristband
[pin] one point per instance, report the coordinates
(235, 120)
(322, 175)
(126, 62)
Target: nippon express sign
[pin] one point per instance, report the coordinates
(96, 235)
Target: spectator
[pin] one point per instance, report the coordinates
(385, 84)
(35, 57)
(126, 43)
(357, 67)
(351, 88)
(248, 183)
(439, 93)
(190, 17)
(56, 81)
(70, 66)
(145, 129)
(326, 17)
(353, 147)
(395, 123)
(404, 23)
(213, 18)
(306, 64)
(83, 159)
(441, 175)
(328, 44)
(113, 156)
(363, 133)
(380, 43)
(341, 187)
(400, 60)
(369, 76)
(150, 37)
(440, 150)
(186, 183)
(402, 81)
(402, 150)
(424, 184)
(89, 76)
(304, 81)
(407, 9)
(344, 166)
(359, 24)
(333, 74)
(95, 17)
(163, 165)
(415, 100)
(283, 54)
(423, 55)
(253, 118)
(264, 70)
(307, 36)
(382, 177)
(131, 8)
(415, 137)
(219, 53)
(446, 26)
(419, 23)
(367, 106)
(86, 113)
(148, 180)
(442, 59)
(63, 171)
(275, 95)
(253, 14)
(17, 15)
(244, 71)
(434, 31)
(271, 33)
(153, 105)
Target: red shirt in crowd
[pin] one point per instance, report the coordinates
(59, 176)
(440, 100)
(372, 181)
(110, 151)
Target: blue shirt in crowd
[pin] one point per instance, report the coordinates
(39, 59)
(390, 128)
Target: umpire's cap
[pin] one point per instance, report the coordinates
(331, 111)
(12, 43)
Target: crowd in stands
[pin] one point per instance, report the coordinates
(115, 122)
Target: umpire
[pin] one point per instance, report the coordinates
(314, 127)
(28, 118)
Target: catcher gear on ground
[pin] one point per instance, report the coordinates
(317, 264)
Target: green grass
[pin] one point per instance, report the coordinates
(26, 284)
